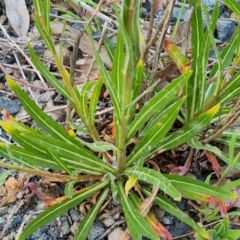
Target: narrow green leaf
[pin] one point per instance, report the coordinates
(195, 143)
(118, 65)
(100, 146)
(94, 100)
(46, 10)
(69, 188)
(157, 179)
(196, 84)
(86, 224)
(227, 54)
(187, 132)
(171, 208)
(41, 118)
(3, 176)
(42, 29)
(82, 157)
(233, 5)
(191, 185)
(83, 98)
(231, 235)
(60, 208)
(48, 76)
(155, 134)
(136, 223)
(26, 158)
(232, 89)
(111, 86)
(157, 103)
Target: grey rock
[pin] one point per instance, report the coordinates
(183, 205)
(44, 236)
(2, 221)
(176, 12)
(96, 231)
(180, 229)
(17, 220)
(168, 220)
(65, 227)
(108, 221)
(12, 106)
(38, 233)
(225, 29)
(52, 233)
(77, 26)
(75, 215)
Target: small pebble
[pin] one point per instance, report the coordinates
(13, 106)
(2, 221)
(180, 229)
(108, 221)
(44, 236)
(115, 233)
(168, 220)
(96, 231)
(65, 227)
(183, 205)
(225, 29)
(75, 215)
(38, 233)
(17, 220)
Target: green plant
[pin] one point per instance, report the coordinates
(204, 90)
(222, 232)
(113, 169)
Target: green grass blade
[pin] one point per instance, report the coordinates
(136, 223)
(157, 103)
(60, 208)
(157, 179)
(171, 208)
(86, 224)
(191, 185)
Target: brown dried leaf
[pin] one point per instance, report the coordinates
(13, 186)
(18, 16)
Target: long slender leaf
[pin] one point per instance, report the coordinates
(187, 132)
(111, 86)
(157, 103)
(169, 206)
(233, 5)
(41, 118)
(94, 100)
(86, 224)
(155, 134)
(135, 222)
(191, 185)
(49, 77)
(157, 179)
(84, 158)
(231, 91)
(26, 158)
(60, 208)
(195, 143)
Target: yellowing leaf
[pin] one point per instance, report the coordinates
(129, 184)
